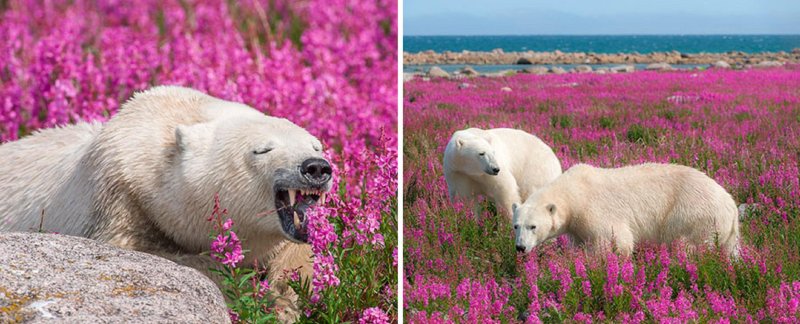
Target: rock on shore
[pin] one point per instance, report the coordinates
(557, 57)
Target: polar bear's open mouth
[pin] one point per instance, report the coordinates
(292, 205)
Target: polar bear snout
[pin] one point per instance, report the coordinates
(493, 170)
(317, 171)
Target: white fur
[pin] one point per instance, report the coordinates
(525, 162)
(146, 179)
(651, 202)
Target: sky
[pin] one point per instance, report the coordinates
(600, 17)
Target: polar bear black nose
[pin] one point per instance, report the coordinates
(496, 170)
(520, 248)
(316, 170)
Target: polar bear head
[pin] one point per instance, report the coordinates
(268, 171)
(537, 220)
(474, 153)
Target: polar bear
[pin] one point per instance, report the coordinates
(146, 179)
(649, 202)
(502, 164)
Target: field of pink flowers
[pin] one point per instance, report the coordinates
(328, 66)
(740, 127)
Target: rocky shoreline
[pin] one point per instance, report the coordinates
(499, 57)
(537, 62)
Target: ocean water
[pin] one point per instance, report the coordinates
(489, 68)
(606, 44)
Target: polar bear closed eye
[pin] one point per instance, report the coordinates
(500, 164)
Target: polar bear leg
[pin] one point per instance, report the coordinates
(623, 240)
(619, 237)
(465, 189)
(505, 194)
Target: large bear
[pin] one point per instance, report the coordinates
(650, 202)
(502, 164)
(146, 179)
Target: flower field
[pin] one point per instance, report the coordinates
(328, 66)
(740, 127)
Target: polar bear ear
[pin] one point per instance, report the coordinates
(459, 143)
(192, 136)
(551, 208)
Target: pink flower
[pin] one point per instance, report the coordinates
(373, 315)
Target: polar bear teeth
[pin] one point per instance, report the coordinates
(303, 194)
(297, 222)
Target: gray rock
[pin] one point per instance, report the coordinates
(437, 72)
(583, 69)
(524, 61)
(505, 89)
(536, 70)
(557, 70)
(69, 279)
(408, 76)
(500, 74)
(767, 64)
(464, 85)
(721, 65)
(623, 69)
(658, 67)
(469, 71)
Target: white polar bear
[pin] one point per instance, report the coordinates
(502, 164)
(146, 179)
(650, 202)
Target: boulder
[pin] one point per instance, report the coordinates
(524, 61)
(721, 65)
(768, 64)
(469, 71)
(583, 69)
(536, 70)
(437, 72)
(505, 89)
(501, 73)
(623, 69)
(557, 70)
(60, 278)
(658, 67)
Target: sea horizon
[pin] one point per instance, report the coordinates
(605, 43)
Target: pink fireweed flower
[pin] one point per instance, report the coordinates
(373, 315)
(226, 248)
(234, 316)
(226, 226)
(263, 288)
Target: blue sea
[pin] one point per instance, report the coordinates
(606, 44)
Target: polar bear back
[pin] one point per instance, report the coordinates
(532, 163)
(658, 202)
(48, 163)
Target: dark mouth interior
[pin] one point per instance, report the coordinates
(293, 215)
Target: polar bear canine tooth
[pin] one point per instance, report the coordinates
(297, 222)
(292, 194)
(322, 198)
